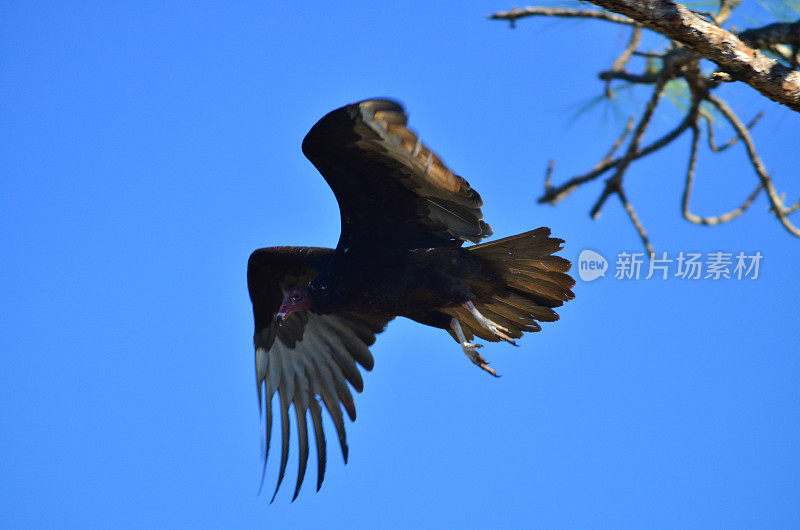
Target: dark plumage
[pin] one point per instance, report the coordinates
(404, 216)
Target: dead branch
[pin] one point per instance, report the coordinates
(726, 7)
(635, 220)
(692, 37)
(624, 57)
(513, 15)
(776, 202)
(710, 127)
(687, 190)
(556, 194)
(652, 55)
(614, 183)
(548, 175)
(791, 209)
(776, 81)
(618, 143)
(622, 75)
(771, 34)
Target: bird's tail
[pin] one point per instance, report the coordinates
(535, 281)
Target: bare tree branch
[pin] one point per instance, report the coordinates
(644, 79)
(548, 175)
(710, 121)
(777, 33)
(618, 143)
(793, 208)
(558, 193)
(787, 53)
(624, 57)
(513, 14)
(613, 184)
(776, 81)
(726, 7)
(687, 190)
(766, 181)
(652, 55)
(693, 38)
(635, 220)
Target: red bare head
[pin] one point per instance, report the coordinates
(297, 299)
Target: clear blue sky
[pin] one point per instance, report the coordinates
(147, 149)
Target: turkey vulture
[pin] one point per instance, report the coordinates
(404, 218)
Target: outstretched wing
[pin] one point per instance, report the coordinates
(309, 357)
(392, 190)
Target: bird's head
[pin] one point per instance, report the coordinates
(297, 299)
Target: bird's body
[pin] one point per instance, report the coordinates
(398, 282)
(405, 216)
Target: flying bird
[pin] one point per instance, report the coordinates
(404, 216)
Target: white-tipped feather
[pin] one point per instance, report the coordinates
(319, 364)
(261, 365)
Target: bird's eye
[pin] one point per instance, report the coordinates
(296, 298)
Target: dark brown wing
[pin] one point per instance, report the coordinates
(392, 190)
(309, 357)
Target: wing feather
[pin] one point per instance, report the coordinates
(319, 434)
(390, 187)
(341, 350)
(328, 395)
(309, 357)
(340, 384)
(300, 409)
(261, 373)
(284, 398)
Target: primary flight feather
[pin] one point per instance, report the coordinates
(405, 216)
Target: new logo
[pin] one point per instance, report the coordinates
(591, 265)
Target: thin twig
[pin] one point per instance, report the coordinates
(687, 191)
(558, 193)
(755, 160)
(624, 75)
(710, 127)
(771, 34)
(781, 52)
(620, 62)
(793, 208)
(635, 220)
(616, 145)
(684, 61)
(513, 14)
(651, 55)
(726, 7)
(675, 21)
(548, 176)
(613, 183)
(564, 191)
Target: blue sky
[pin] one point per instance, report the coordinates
(148, 149)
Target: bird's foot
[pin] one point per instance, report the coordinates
(491, 326)
(476, 358)
(470, 349)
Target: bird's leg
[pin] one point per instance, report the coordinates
(470, 349)
(493, 327)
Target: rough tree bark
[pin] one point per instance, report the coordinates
(768, 76)
(693, 38)
(733, 54)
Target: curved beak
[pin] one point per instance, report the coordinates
(280, 317)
